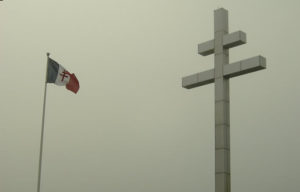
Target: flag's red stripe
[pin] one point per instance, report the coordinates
(73, 84)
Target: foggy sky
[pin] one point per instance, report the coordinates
(132, 127)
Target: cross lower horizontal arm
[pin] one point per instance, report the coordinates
(245, 66)
(232, 70)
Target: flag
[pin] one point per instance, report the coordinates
(58, 75)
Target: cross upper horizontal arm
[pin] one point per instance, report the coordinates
(206, 48)
(198, 79)
(245, 66)
(234, 39)
(229, 41)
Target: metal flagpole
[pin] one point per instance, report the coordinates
(42, 131)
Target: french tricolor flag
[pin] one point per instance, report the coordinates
(58, 75)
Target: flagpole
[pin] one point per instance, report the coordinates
(42, 130)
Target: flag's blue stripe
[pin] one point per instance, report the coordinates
(52, 71)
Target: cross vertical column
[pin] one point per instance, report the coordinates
(222, 115)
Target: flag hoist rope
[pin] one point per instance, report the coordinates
(42, 131)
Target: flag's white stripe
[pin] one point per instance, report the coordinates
(62, 78)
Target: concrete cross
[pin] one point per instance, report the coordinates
(220, 75)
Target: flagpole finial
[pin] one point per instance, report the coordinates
(48, 54)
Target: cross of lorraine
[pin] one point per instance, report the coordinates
(220, 76)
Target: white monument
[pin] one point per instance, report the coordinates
(220, 76)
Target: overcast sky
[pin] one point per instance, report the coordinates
(132, 127)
